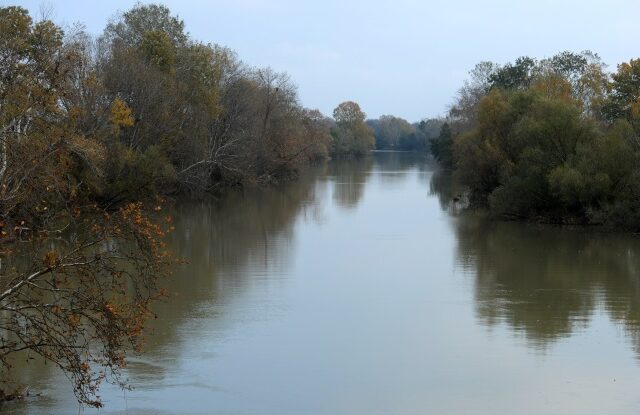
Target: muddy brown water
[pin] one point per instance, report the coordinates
(362, 288)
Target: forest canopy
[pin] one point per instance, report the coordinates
(555, 139)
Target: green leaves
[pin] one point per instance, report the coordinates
(351, 136)
(157, 48)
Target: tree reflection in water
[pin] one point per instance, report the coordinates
(545, 282)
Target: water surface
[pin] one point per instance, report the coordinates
(362, 288)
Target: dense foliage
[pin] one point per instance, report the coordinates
(394, 133)
(189, 116)
(93, 133)
(351, 134)
(554, 140)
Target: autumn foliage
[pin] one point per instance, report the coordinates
(94, 131)
(78, 274)
(553, 140)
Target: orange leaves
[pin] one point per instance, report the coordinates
(111, 308)
(51, 259)
(89, 269)
(74, 320)
(142, 224)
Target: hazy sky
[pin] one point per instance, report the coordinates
(400, 57)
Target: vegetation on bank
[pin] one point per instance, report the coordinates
(394, 133)
(555, 139)
(93, 133)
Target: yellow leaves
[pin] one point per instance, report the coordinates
(553, 86)
(625, 69)
(92, 81)
(74, 113)
(625, 88)
(74, 320)
(51, 259)
(111, 308)
(90, 150)
(635, 109)
(492, 110)
(121, 115)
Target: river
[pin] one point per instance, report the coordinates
(363, 288)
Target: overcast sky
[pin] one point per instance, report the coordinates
(400, 57)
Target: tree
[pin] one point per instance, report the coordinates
(427, 130)
(79, 298)
(583, 73)
(442, 146)
(393, 133)
(464, 109)
(317, 129)
(525, 146)
(77, 277)
(202, 118)
(624, 96)
(514, 76)
(351, 135)
(550, 139)
(133, 26)
(29, 70)
(348, 112)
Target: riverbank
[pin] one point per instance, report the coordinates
(552, 139)
(280, 276)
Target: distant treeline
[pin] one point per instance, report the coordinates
(555, 139)
(394, 133)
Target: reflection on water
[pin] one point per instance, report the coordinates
(444, 188)
(364, 288)
(350, 178)
(547, 282)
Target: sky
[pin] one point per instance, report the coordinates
(402, 57)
